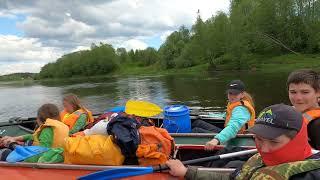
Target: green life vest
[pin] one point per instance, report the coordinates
(254, 168)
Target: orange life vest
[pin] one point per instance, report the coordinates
(71, 119)
(312, 114)
(156, 146)
(246, 104)
(60, 132)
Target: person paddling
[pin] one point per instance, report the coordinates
(283, 150)
(75, 115)
(304, 92)
(240, 115)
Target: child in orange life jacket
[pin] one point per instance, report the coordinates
(51, 132)
(240, 115)
(98, 128)
(74, 115)
(304, 92)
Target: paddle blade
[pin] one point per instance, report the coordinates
(116, 109)
(21, 153)
(118, 173)
(142, 108)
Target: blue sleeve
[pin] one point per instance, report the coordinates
(239, 117)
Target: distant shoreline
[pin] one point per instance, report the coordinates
(284, 63)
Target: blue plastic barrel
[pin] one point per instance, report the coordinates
(177, 119)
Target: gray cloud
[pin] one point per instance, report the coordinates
(60, 26)
(71, 21)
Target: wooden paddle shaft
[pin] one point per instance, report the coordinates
(211, 158)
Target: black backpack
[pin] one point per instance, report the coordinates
(125, 131)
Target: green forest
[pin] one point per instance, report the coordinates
(18, 76)
(251, 32)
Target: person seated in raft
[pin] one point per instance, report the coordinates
(304, 92)
(75, 115)
(50, 133)
(281, 138)
(98, 128)
(240, 115)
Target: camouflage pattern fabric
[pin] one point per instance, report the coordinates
(254, 168)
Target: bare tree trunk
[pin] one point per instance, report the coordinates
(278, 42)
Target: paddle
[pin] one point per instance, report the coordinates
(116, 109)
(142, 108)
(135, 171)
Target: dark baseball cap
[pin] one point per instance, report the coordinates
(277, 120)
(235, 87)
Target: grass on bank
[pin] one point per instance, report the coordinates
(272, 64)
(132, 69)
(284, 63)
(287, 63)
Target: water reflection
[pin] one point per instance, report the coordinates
(99, 94)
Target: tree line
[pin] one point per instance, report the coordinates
(235, 40)
(17, 76)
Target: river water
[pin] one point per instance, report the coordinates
(98, 94)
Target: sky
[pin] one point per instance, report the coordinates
(35, 32)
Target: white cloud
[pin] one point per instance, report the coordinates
(20, 67)
(55, 27)
(24, 54)
(134, 44)
(134, 3)
(80, 48)
(164, 35)
(7, 15)
(37, 27)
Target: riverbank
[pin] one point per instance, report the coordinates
(18, 77)
(284, 63)
(288, 63)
